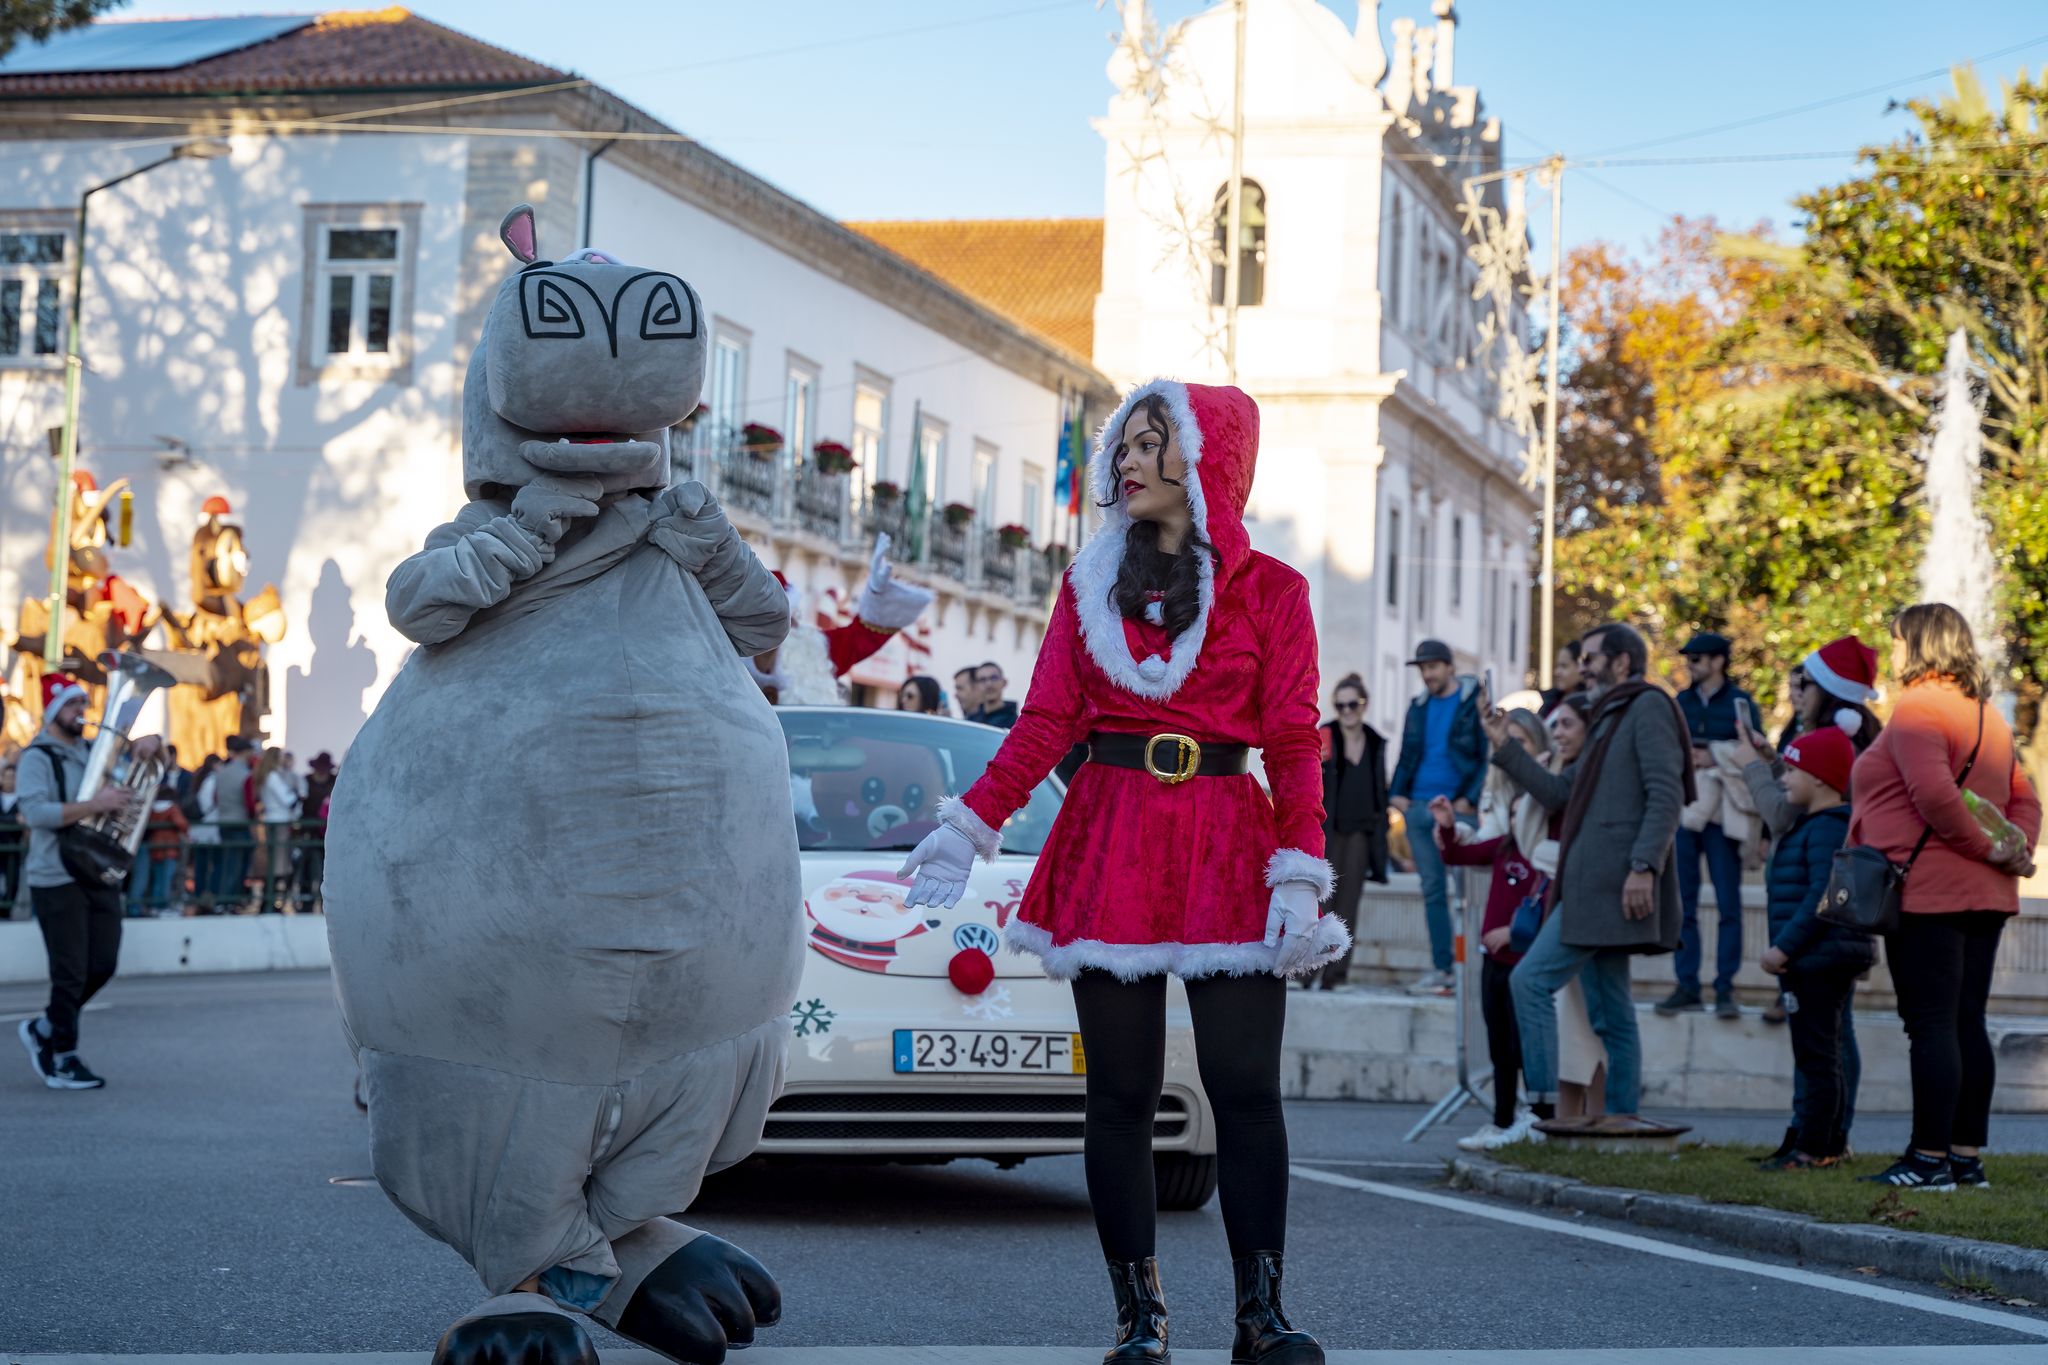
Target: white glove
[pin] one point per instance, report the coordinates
(548, 504)
(1290, 923)
(886, 604)
(941, 863)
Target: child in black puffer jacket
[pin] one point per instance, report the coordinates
(1819, 962)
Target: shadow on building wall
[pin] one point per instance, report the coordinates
(324, 701)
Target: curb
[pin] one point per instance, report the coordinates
(1923, 1256)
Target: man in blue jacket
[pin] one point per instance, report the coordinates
(1715, 710)
(1443, 753)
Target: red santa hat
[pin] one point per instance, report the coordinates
(1847, 668)
(1826, 753)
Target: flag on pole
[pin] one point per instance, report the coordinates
(916, 501)
(1075, 460)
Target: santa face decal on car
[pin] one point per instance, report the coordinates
(859, 918)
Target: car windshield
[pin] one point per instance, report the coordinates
(865, 780)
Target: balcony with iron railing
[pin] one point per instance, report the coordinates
(768, 491)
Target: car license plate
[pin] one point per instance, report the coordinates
(957, 1050)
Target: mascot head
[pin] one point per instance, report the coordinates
(583, 367)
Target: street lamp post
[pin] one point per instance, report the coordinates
(67, 453)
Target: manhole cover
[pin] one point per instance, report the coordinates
(352, 1181)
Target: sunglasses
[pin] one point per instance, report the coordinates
(1350, 706)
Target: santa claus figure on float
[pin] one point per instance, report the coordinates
(805, 670)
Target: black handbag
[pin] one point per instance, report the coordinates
(1865, 888)
(91, 857)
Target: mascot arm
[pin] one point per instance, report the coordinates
(690, 528)
(852, 642)
(468, 564)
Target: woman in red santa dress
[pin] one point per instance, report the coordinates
(1174, 649)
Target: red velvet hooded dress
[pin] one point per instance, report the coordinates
(1141, 878)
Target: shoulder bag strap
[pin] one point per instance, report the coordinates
(56, 769)
(1961, 778)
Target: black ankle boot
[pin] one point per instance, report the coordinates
(1140, 1314)
(1264, 1335)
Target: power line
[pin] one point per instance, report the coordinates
(1812, 105)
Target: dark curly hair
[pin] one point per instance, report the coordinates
(1146, 568)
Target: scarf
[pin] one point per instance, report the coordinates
(1610, 707)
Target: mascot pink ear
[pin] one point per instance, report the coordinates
(518, 236)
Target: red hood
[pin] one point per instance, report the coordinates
(1218, 431)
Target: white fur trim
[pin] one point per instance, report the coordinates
(1292, 865)
(960, 816)
(1848, 721)
(1188, 961)
(1094, 570)
(1817, 669)
(805, 663)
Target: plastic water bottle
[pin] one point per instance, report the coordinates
(2006, 838)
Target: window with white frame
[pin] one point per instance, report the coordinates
(871, 425)
(800, 407)
(984, 484)
(1033, 494)
(358, 295)
(726, 396)
(34, 258)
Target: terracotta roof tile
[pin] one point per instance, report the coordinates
(1042, 273)
(343, 50)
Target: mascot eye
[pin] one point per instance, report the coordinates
(913, 797)
(872, 791)
(670, 312)
(548, 309)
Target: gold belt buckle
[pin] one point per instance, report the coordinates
(1187, 759)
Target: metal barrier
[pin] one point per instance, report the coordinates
(255, 866)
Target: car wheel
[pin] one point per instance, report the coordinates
(1183, 1180)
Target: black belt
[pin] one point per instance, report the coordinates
(1171, 758)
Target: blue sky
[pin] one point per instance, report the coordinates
(980, 108)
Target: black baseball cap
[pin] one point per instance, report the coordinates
(1432, 652)
(1707, 643)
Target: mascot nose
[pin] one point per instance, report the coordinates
(971, 971)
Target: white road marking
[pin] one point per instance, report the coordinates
(1989, 1317)
(1077, 1355)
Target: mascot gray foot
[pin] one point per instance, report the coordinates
(516, 1329)
(703, 1300)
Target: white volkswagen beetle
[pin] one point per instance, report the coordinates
(916, 1038)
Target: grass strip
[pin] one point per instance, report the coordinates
(2014, 1210)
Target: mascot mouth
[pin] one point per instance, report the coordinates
(591, 452)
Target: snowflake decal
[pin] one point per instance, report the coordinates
(811, 1016)
(990, 1005)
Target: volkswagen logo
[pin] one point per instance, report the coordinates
(977, 936)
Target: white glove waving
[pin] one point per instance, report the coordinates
(941, 864)
(886, 604)
(1290, 923)
(547, 505)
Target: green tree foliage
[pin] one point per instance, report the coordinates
(36, 20)
(1787, 501)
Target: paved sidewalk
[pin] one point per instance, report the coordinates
(1069, 1355)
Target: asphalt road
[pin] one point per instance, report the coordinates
(191, 1207)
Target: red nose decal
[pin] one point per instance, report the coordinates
(971, 971)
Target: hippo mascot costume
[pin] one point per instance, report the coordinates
(562, 880)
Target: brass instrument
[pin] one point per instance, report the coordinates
(110, 841)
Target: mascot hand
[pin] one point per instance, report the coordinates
(886, 604)
(941, 864)
(548, 504)
(1290, 924)
(689, 525)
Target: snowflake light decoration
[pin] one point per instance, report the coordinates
(990, 1005)
(1501, 253)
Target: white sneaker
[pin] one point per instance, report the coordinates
(1523, 1129)
(1433, 983)
(1485, 1140)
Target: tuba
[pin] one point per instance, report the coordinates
(105, 845)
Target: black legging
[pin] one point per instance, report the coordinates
(1238, 1022)
(1941, 969)
(1503, 1036)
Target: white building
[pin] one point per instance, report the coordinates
(1384, 472)
(288, 326)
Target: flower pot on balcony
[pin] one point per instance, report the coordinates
(760, 442)
(958, 514)
(1013, 537)
(830, 457)
(1059, 556)
(886, 494)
